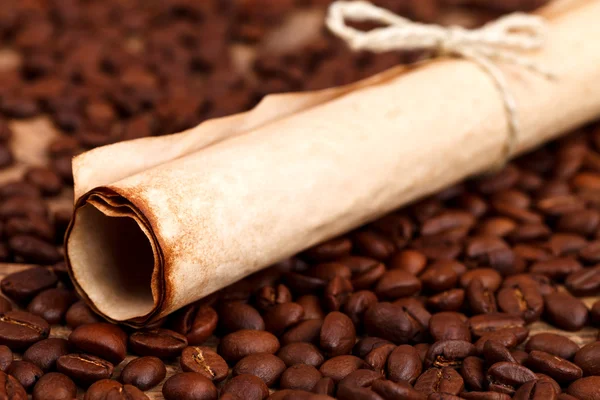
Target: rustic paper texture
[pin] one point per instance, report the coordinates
(161, 222)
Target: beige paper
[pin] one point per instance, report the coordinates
(161, 222)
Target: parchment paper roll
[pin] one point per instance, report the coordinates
(161, 222)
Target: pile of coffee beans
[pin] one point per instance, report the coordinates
(432, 302)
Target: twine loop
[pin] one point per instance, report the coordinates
(499, 41)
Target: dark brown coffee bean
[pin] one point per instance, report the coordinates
(5, 305)
(202, 326)
(35, 225)
(324, 386)
(449, 326)
(390, 322)
(565, 311)
(303, 284)
(361, 378)
(372, 244)
(100, 339)
(481, 300)
(45, 353)
(583, 222)
(346, 392)
(26, 373)
(404, 364)
(553, 343)
(10, 388)
(267, 367)
(301, 353)
(44, 179)
(282, 316)
(504, 377)
(473, 372)
(389, 390)
(19, 329)
(240, 344)
(338, 334)
(269, 296)
(397, 283)
(438, 277)
(487, 323)
(305, 331)
(557, 268)
(489, 277)
(162, 343)
(6, 358)
(34, 250)
(78, 314)
(523, 300)
(536, 390)
(494, 352)
(367, 344)
(444, 380)
(84, 369)
(205, 361)
(311, 305)
(328, 271)
(585, 282)
(410, 261)
(22, 206)
(189, 386)
(337, 368)
(417, 313)
(378, 357)
(358, 303)
(450, 300)
(448, 353)
(235, 316)
(546, 378)
(337, 292)
(52, 304)
(18, 189)
(54, 386)
(246, 387)
(330, 250)
(585, 388)
(107, 389)
(447, 220)
(24, 285)
(484, 396)
(588, 358)
(144, 372)
(505, 337)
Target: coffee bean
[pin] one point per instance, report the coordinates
(410, 261)
(361, 378)
(245, 387)
(107, 389)
(78, 314)
(358, 303)
(449, 326)
(585, 282)
(490, 278)
(240, 344)
(504, 377)
(330, 250)
(100, 339)
(372, 244)
(557, 269)
(300, 353)
(337, 368)
(5, 305)
(404, 364)
(585, 388)
(523, 300)
(44, 179)
(484, 396)
(536, 390)
(45, 353)
(33, 224)
(311, 305)
(24, 285)
(34, 250)
(269, 296)
(346, 392)
(389, 390)
(235, 315)
(198, 324)
(486, 323)
(6, 358)
(553, 343)
(444, 380)
(473, 373)
(300, 377)
(494, 352)
(54, 386)
(565, 311)
(144, 372)
(390, 322)
(397, 283)
(205, 361)
(25, 372)
(367, 344)
(450, 300)
(52, 304)
(324, 386)
(555, 367)
(282, 316)
(267, 367)
(378, 357)
(448, 353)
(10, 388)
(565, 396)
(588, 358)
(438, 277)
(162, 343)
(84, 369)
(337, 334)
(19, 329)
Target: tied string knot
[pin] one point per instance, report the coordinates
(499, 41)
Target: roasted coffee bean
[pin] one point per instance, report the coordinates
(588, 358)
(337, 368)
(346, 392)
(240, 344)
(553, 343)
(410, 261)
(306, 331)
(328, 271)
(397, 283)
(439, 276)
(520, 356)
(6, 358)
(189, 386)
(504, 377)
(338, 334)
(377, 358)
(300, 377)
(25, 372)
(162, 343)
(484, 396)
(54, 386)
(367, 344)
(301, 353)
(144, 372)
(481, 299)
(504, 337)
(557, 268)
(489, 277)
(33, 224)
(404, 364)
(337, 292)
(373, 244)
(565, 396)
(282, 316)
(235, 316)
(34, 250)
(565, 311)
(444, 380)
(78, 314)
(487, 323)
(45, 353)
(449, 326)
(205, 361)
(267, 367)
(585, 388)
(450, 300)
(553, 366)
(245, 387)
(536, 390)
(389, 390)
(361, 378)
(52, 304)
(19, 329)
(357, 304)
(10, 388)
(330, 250)
(585, 282)
(5, 305)
(494, 352)
(269, 296)
(107, 389)
(44, 179)
(390, 322)
(100, 339)
(311, 305)
(448, 353)
(523, 300)
(473, 373)
(84, 369)
(24, 285)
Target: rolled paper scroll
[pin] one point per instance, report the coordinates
(161, 222)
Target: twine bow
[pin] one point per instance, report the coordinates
(498, 41)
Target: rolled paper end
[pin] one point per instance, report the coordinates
(112, 260)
